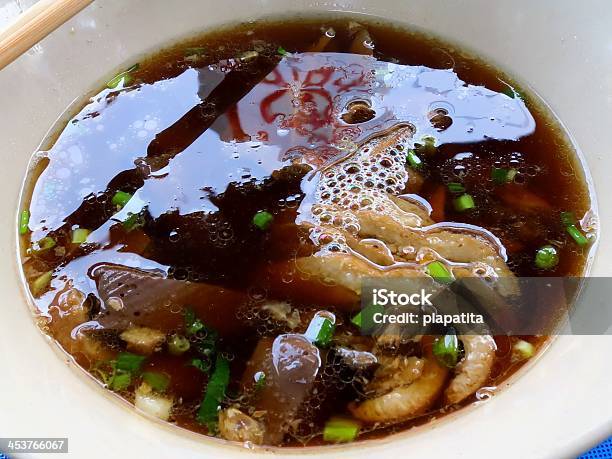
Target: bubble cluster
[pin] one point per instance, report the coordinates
(359, 182)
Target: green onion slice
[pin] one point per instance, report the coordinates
(523, 349)
(446, 350)
(260, 380)
(41, 283)
(263, 220)
(413, 160)
(547, 257)
(568, 219)
(208, 413)
(124, 77)
(192, 323)
(200, 364)
(24, 221)
(501, 175)
(282, 51)
(464, 202)
(365, 318)
(43, 245)
(427, 145)
(439, 272)
(577, 235)
(320, 330)
(121, 198)
(340, 430)
(157, 381)
(133, 222)
(178, 344)
(79, 235)
(120, 381)
(126, 361)
(455, 187)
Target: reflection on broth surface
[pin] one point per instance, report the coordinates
(198, 234)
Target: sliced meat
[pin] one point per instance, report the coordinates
(133, 297)
(290, 364)
(235, 425)
(348, 270)
(143, 340)
(474, 370)
(409, 398)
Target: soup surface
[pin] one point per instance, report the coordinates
(197, 235)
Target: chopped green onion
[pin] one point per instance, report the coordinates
(546, 257)
(439, 272)
(340, 430)
(121, 198)
(446, 350)
(501, 176)
(120, 381)
(41, 283)
(157, 381)
(523, 349)
(577, 235)
(43, 245)
(513, 93)
(123, 77)
(178, 344)
(568, 218)
(192, 323)
(455, 187)
(282, 51)
(365, 318)
(320, 331)
(126, 361)
(208, 413)
(200, 364)
(413, 160)
(248, 55)
(464, 202)
(428, 145)
(133, 221)
(24, 221)
(260, 380)
(263, 220)
(79, 235)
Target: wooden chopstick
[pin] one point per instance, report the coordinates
(34, 24)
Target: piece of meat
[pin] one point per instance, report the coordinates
(372, 233)
(356, 359)
(290, 364)
(143, 340)
(395, 372)
(409, 397)
(235, 425)
(348, 270)
(474, 369)
(70, 326)
(134, 297)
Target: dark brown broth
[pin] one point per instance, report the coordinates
(206, 177)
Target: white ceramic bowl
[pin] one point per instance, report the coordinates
(558, 407)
